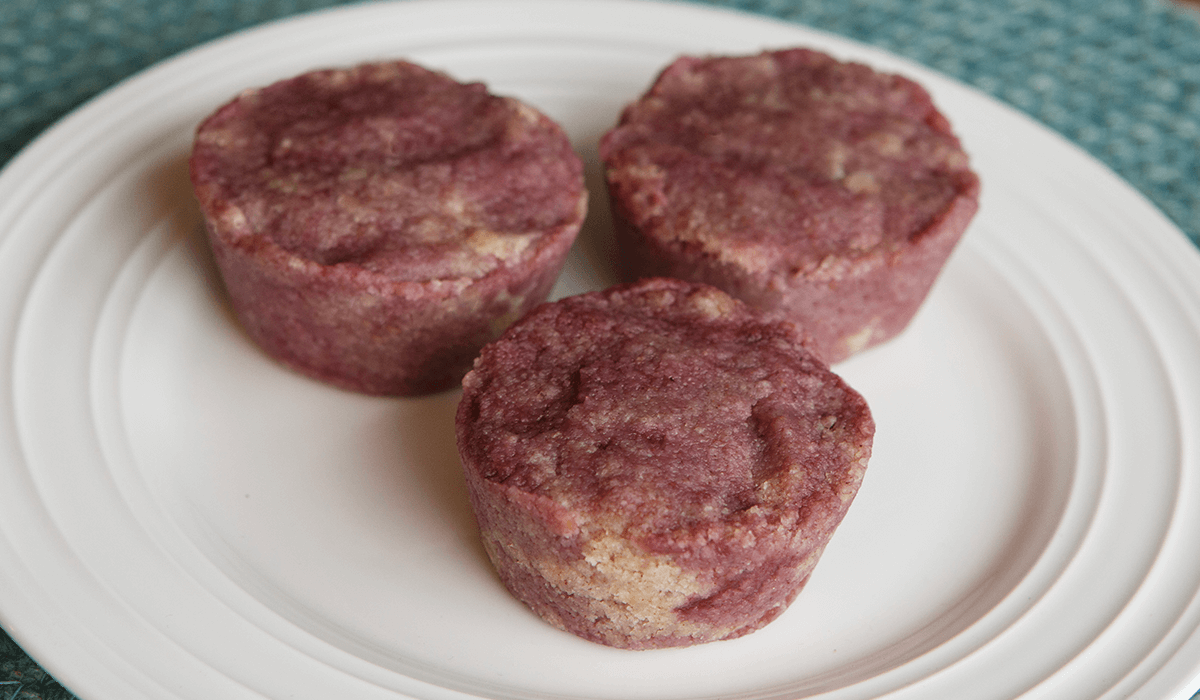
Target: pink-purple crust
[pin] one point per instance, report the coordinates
(656, 465)
(375, 226)
(817, 190)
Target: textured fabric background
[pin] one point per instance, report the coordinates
(1121, 78)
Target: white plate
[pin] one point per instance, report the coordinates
(182, 518)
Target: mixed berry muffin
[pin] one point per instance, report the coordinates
(375, 226)
(818, 190)
(656, 464)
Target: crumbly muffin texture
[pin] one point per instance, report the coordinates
(376, 225)
(655, 465)
(819, 190)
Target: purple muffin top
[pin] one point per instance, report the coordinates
(785, 158)
(666, 411)
(390, 166)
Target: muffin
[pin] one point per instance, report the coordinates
(375, 226)
(656, 464)
(819, 191)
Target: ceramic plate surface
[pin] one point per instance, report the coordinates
(182, 518)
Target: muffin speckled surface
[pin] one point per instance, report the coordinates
(375, 226)
(818, 190)
(656, 465)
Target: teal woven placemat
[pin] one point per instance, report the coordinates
(1121, 78)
